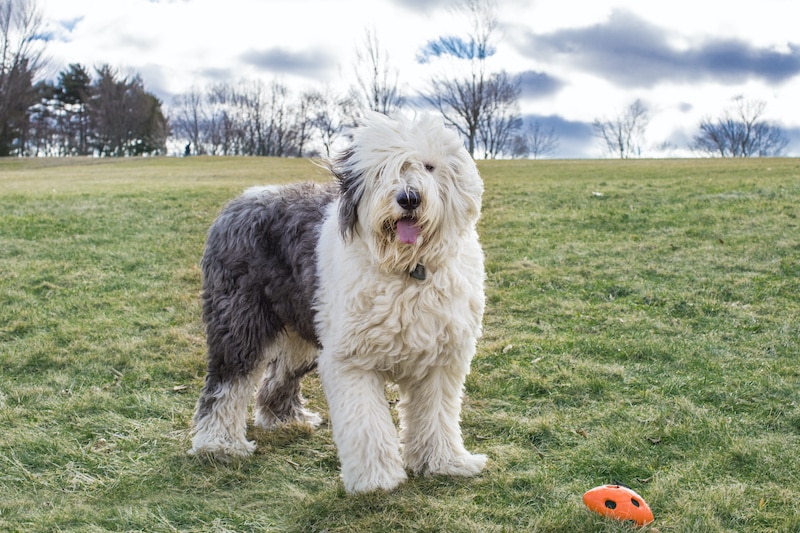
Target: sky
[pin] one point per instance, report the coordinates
(578, 60)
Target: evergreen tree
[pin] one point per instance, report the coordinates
(74, 91)
(126, 120)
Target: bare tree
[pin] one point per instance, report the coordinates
(281, 129)
(20, 60)
(251, 101)
(238, 117)
(188, 119)
(332, 115)
(740, 132)
(250, 118)
(377, 82)
(303, 123)
(623, 135)
(500, 116)
(221, 130)
(462, 100)
(536, 141)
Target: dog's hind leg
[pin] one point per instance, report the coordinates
(279, 399)
(239, 326)
(220, 421)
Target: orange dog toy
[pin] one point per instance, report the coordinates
(620, 502)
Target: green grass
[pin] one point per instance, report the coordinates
(642, 326)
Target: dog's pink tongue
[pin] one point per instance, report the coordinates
(407, 231)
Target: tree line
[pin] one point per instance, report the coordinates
(106, 114)
(739, 131)
(255, 118)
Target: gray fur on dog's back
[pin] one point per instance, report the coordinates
(260, 266)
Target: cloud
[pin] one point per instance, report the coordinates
(308, 63)
(423, 6)
(217, 74)
(631, 52)
(156, 79)
(538, 84)
(454, 47)
(58, 30)
(69, 24)
(793, 134)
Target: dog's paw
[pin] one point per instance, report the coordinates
(466, 465)
(470, 465)
(222, 450)
(373, 481)
(311, 418)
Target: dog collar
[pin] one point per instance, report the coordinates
(418, 272)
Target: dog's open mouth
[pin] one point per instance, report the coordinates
(407, 230)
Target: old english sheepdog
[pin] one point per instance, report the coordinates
(375, 277)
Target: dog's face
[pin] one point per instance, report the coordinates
(409, 189)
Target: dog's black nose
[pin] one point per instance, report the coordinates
(408, 199)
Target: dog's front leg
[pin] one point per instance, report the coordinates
(362, 426)
(430, 410)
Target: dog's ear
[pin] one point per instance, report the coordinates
(351, 189)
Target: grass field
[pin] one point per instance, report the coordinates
(642, 326)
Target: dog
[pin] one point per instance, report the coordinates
(377, 276)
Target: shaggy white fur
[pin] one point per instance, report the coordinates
(399, 297)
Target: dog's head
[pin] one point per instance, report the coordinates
(409, 189)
